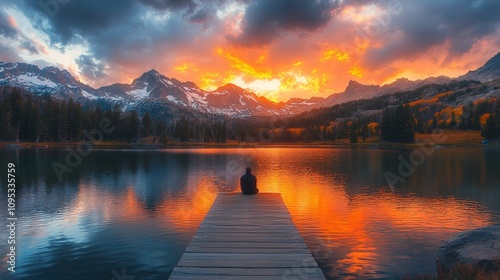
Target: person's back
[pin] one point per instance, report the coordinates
(248, 183)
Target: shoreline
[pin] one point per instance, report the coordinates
(446, 138)
(134, 146)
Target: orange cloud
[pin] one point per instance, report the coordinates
(12, 22)
(356, 71)
(317, 66)
(245, 67)
(183, 68)
(341, 56)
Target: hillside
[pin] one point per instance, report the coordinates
(163, 96)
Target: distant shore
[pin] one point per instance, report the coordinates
(449, 138)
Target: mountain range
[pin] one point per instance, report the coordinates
(152, 89)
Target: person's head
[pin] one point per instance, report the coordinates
(249, 170)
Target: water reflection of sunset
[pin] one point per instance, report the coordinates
(360, 228)
(184, 214)
(364, 224)
(148, 205)
(177, 213)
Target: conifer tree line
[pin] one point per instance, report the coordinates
(44, 119)
(397, 117)
(393, 118)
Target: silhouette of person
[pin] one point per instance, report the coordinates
(248, 183)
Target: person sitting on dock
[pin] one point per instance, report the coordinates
(248, 183)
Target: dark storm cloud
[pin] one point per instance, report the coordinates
(6, 27)
(120, 33)
(91, 68)
(264, 20)
(81, 18)
(171, 4)
(424, 24)
(30, 48)
(128, 34)
(202, 16)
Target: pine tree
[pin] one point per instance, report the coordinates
(31, 122)
(147, 125)
(353, 132)
(4, 120)
(492, 128)
(63, 125)
(223, 132)
(108, 114)
(99, 115)
(75, 121)
(117, 122)
(386, 132)
(17, 112)
(404, 125)
(131, 127)
(397, 125)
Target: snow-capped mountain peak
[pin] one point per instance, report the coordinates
(49, 80)
(154, 89)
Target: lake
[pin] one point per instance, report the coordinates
(133, 212)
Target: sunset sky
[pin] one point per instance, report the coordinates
(277, 48)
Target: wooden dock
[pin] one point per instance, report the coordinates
(247, 237)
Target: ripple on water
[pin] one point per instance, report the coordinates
(138, 210)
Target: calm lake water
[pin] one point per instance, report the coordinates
(131, 212)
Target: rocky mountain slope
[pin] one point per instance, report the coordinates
(488, 72)
(152, 89)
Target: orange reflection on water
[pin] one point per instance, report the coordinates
(363, 227)
(181, 214)
(367, 225)
(104, 206)
(186, 212)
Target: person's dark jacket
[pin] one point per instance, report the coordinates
(248, 183)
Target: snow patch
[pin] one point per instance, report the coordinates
(173, 99)
(219, 92)
(166, 82)
(35, 80)
(307, 103)
(114, 98)
(250, 97)
(230, 111)
(88, 95)
(194, 98)
(241, 101)
(141, 92)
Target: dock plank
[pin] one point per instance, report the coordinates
(247, 237)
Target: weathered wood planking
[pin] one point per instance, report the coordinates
(247, 237)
